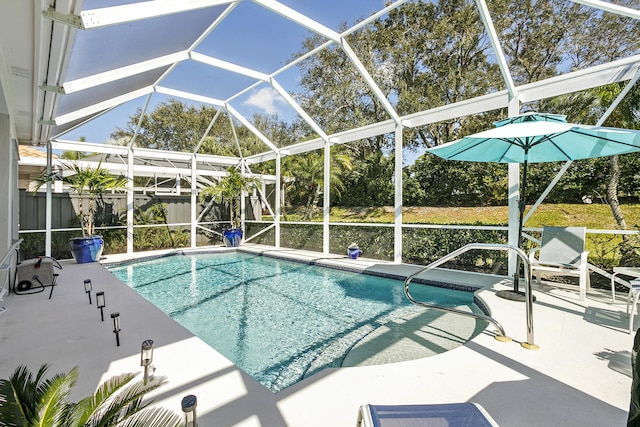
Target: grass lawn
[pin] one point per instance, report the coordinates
(604, 249)
(595, 216)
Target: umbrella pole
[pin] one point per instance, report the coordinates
(521, 208)
(515, 294)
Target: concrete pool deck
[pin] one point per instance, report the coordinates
(580, 376)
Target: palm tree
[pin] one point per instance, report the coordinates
(309, 174)
(85, 181)
(28, 402)
(586, 106)
(230, 188)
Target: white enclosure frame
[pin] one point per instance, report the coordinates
(57, 26)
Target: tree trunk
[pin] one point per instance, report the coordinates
(626, 248)
(233, 205)
(309, 208)
(612, 192)
(89, 217)
(282, 202)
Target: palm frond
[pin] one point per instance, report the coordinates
(53, 407)
(124, 404)
(154, 417)
(88, 407)
(20, 394)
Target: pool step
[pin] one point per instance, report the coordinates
(414, 336)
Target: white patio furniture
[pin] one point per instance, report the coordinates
(467, 414)
(634, 294)
(562, 253)
(623, 271)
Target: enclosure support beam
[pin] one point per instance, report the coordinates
(278, 199)
(495, 43)
(243, 201)
(49, 201)
(130, 201)
(194, 206)
(326, 200)
(513, 196)
(397, 229)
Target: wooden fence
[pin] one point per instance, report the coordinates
(112, 209)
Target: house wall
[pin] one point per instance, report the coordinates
(8, 186)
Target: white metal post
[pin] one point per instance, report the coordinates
(243, 204)
(130, 201)
(397, 229)
(47, 233)
(326, 199)
(14, 221)
(194, 206)
(278, 203)
(513, 197)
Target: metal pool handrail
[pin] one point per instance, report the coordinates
(484, 246)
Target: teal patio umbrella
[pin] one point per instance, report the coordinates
(537, 138)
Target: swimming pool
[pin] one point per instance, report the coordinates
(281, 321)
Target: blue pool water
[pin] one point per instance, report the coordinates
(277, 320)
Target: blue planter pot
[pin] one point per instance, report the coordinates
(354, 252)
(86, 249)
(232, 237)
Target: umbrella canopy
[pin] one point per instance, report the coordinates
(536, 138)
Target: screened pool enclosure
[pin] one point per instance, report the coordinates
(87, 76)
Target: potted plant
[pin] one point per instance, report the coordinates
(353, 251)
(230, 188)
(85, 181)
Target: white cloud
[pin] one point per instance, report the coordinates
(266, 99)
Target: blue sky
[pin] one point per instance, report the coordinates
(250, 36)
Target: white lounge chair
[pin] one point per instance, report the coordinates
(436, 415)
(562, 253)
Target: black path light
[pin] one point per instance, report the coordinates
(146, 357)
(116, 326)
(100, 303)
(189, 404)
(87, 288)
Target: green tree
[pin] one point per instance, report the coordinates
(421, 55)
(28, 401)
(230, 188)
(308, 177)
(540, 40)
(85, 180)
(287, 179)
(176, 126)
(370, 182)
(451, 183)
(587, 107)
(438, 55)
(74, 155)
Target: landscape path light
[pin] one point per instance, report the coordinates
(189, 404)
(100, 303)
(116, 326)
(146, 357)
(87, 288)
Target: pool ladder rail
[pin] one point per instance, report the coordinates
(501, 335)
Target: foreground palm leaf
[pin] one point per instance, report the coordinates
(18, 395)
(26, 401)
